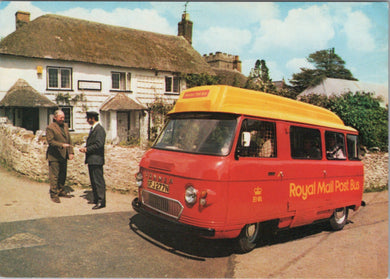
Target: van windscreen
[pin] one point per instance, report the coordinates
(202, 133)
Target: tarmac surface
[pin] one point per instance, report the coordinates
(24, 199)
(360, 250)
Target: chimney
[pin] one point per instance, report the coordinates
(185, 27)
(237, 63)
(21, 18)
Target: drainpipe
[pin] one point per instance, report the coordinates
(149, 110)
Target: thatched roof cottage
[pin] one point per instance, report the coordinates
(80, 65)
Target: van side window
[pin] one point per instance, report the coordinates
(353, 147)
(263, 139)
(305, 143)
(335, 146)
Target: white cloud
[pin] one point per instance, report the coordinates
(142, 19)
(274, 72)
(357, 29)
(7, 15)
(294, 65)
(310, 28)
(229, 40)
(246, 66)
(220, 13)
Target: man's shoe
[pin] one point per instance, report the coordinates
(99, 205)
(56, 199)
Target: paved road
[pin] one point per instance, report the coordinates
(39, 238)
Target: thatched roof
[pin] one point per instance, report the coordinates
(230, 77)
(21, 94)
(64, 38)
(121, 102)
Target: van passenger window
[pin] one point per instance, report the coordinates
(335, 146)
(263, 139)
(353, 148)
(305, 143)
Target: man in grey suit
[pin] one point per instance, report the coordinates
(94, 157)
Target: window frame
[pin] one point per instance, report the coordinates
(305, 131)
(343, 148)
(68, 115)
(124, 82)
(59, 78)
(254, 151)
(356, 148)
(174, 85)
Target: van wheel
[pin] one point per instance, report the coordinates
(247, 239)
(339, 218)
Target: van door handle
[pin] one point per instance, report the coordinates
(271, 173)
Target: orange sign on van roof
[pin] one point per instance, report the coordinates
(228, 99)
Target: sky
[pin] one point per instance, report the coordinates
(283, 34)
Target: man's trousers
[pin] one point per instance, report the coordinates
(57, 177)
(98, 183)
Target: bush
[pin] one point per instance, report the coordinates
(361, 111)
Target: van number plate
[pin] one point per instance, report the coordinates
(158, 186)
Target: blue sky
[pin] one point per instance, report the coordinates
(281, 33)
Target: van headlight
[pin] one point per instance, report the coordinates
(190, 194)
(138, 179)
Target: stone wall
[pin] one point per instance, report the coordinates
(376, 169)
(25, 153)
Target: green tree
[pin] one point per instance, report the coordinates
(193, 80)
(327, 65)
(259, 78)
(361, 111)
(158, 112)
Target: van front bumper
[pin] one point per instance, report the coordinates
(140, 208)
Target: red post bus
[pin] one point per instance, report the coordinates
(230, 161)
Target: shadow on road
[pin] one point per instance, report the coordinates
(88, 195)
(289, 235)
(185, 245)
(191, 246)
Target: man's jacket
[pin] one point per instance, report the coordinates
(95, 146)
(56, 137)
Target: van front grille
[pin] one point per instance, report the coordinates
(167, 206)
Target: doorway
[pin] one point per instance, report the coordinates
(30, 119)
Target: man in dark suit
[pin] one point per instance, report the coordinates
(58, 152)
(94, 157)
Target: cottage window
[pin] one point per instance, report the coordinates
(59, 78)
(121, 81)
(172, 84)
(68, 112)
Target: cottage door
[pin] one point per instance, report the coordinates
(123, 125)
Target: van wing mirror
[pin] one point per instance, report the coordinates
(245, 139)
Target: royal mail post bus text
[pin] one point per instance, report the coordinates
(231, 162)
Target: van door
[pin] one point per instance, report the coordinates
(254, 194)
(304, 174)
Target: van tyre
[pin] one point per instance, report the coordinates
(248, 238)
(339, 218)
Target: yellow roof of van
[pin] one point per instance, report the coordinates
(228, 99)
